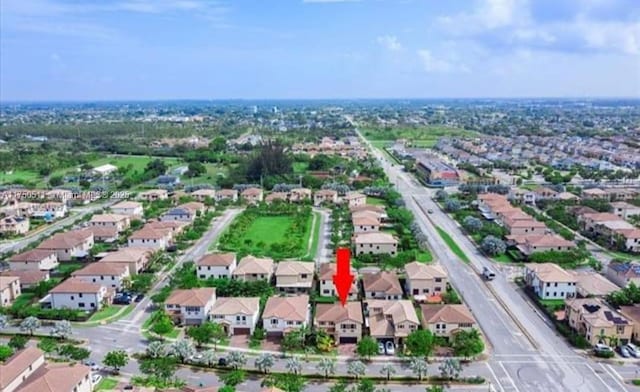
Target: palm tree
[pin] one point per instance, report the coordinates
(419, 367)
(183, 349)
(156, 349)
(613, 341)
(327, 366)
(450, 369)
(356, 369)
(209, 357)
(236, 359)
(30, 324)
(264, 362)
(388, 370)
(293, 365)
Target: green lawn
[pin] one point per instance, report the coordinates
(503, 258)
(67, 268)
(424, 256)
(452, 245)
(106, 312)
(300, 167)
(18, 175)
(106, 384)
(551, 302)
(268, 229)
(425, 136)
(314, 237)
(376, 201)
(23, 300)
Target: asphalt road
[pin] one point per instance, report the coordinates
(526, 354)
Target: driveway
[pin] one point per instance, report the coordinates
(272, 343)
(240, 341)
(346, 349)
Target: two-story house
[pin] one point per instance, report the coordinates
(529, 244)
(156, 239)
(14, 225)
(623, 273)
(293, 277)
(204, 194)
(9, 290)
(342, 323)
(328, 288)
(190, 307)
(283, 314)
(227, 194)
(365, 224)
(524, 226)
(252, 195)
(276, 197)
(112, 275)
(597, 322)
(391, 320)
(382, 285)
(154, 194)
(325, 196)
(446, 320)
(34, 259)
(298, 195)
(625, 210)
(132, 209)
(252, 268)
(375, 243)
(75, 243)
(20, 367)
(135, 258)
(75, 293)
(216, 266)
(59, 377)
(355, 199)
(425, 280)
(237, 315)
(119, 222)
(550, 281)
(49, 211)
(181, 214)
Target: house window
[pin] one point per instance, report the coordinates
(303, 276)
(92, 305)
(274, 321)
(72, 297)
(438, 279)
(619, 330)
(81, 304)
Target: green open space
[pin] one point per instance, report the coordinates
(23, 300)
(106, 312)
(18, 176)
(300, 167)
(106, 384)
(425, 137)
(375, 201)
(314, 237)
(66, 268)
(455, 248)
(268, 229)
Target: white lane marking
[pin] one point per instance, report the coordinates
(600, 378)
(494, 376)
(613, 376)
(509, 377)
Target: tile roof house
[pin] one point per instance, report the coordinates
(154, 194)
(14, 225)
(252, 268)
(75, 243)
(328, 289)
(154, 239)
(365, 224)
(343, 323)
(58, 377)
(631, 238)
(623, 273)
(325, 196)
(227, 194)
(594, 320)
(425, 280)
(529, 244)
(549, 281)
(104, 234)
(293, 277)
(180, 213)
(119, 222)
(252, 195)
(75, 293)
(276, 196)
(592, 284)
(34, 259)
(283, 314)
(19, 367)
(379, 210)
(382, 285)
(524, 226)
(355, 199)
(202, 194)
(27, 278)
(375, 243)
(135, 258)
(446, 320)
(299, 194)
(191, 307)
(391, 320)
(595, 193)
(625, 210)
(9, 290)
(107, 274)
(237, 315)
(129, 208)
(216, 265)
(49, 211)
(632, 313)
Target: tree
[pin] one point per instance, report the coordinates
(234, 377)
(450, 369)
(441, 194)
(201, 334)
(365, 385)
(55, 181)
(293, 365)
(48, 345)
(116, 359)
(367, 347)
(5, 352)
(62, 329)
(356, 369)
(452, 205)
(388, 370)
(4, 321)
(467, 343)
(162, 368)
(183, 350)
(264, 362)
(72, 352)
(435, 388)
(472, 224)
(493, 246)
(287, 382)
(419, 367)
(327, 366)
(30, 324)
(162, 325)
(156, 349)
(420, 343)
(236, 359)
(227, 388)
(18, 342)
(217, 334)
(324, 342)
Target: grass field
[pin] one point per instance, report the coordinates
(420, 137)
(503, 258)
(314, 237)
(375, 201)
(18, 175)
(106, 384)
(268, 229)
(67, 268)
(300, 167)
(104, 313)
(452, 245)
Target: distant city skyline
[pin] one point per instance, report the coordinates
(119, 50)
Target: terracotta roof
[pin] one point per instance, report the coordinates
(326, 192)
(191, 297)
(602, 217)
(104, 231)
(365, 221)
(154, 192)
(148, 233)
(33, 255)
(393, 313)
(254, 265)
(287, 308)
(549, 272)
(566, 196)
(336, 313)
(27, 277)
(327, 270)
(353, 196)
(204, 192)
(294, 268)
(383, 281)
(76, 285)
(277, 196)
(450, 314)
(236, 305)
(524, 223)
(57, 378)
(217, 259)
(126, 255)
(252, 192)
(17, 364)
(108, 218)
(304, 191)
(592, 283)
(367, 213)
(6, 280)
(102, 268)
(548, 240)
(418, 270)
(367, 207)
(596, 313)
(227, 192)
(375, 238)
(594, 191)
(193, 206)
(66, 240)
(126, 205)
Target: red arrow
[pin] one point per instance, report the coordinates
(343, 279)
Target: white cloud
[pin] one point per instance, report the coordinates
(433, 64)
(390, 42)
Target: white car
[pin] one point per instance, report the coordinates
(633, 350)
(390, 347)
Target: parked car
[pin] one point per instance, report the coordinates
(624, 352)
(390, 347)
(128, 387)
(172, 248)
(601, 348)
(633, 350)
(121, 300)
(381, 348)
(222, 361)
(139, 298)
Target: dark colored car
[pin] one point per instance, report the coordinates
(138, 298)
(172, 248)
(222, 361)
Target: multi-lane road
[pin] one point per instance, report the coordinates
(526, 353)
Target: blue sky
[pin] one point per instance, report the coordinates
(199, 49)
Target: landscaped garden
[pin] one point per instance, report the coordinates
(279, 231)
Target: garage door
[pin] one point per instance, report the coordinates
(241, 331)
(348, 340)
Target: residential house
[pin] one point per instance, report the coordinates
(365, 224)
(252, 268)
(623, 273)
(382, 285)
(544, 193)
(28, 278)
(14, 225)
(227, 194)
(276, 196)
(9, 290)
(203, 194)
(119, 222)
(632, 313)
(391, 320)
(216, 266)
(34, 259)
(297, 195)
(59, 377)
(18, 368)
(355, 199)
(589, 221)
(75, 293)
(343, 323)
(107, 274)
(132, 209)
(424, 281)
(135, 258)
(379, 210)
(524, 227)
(75, 243)
(567, 197)
(49, 211)
(191, 307)
(447, 319)
(625, 210)
(22, 209)
(252, 195)
(598, 323)
(150, 238)
(237, 315)
(592, 284)
(173, 228)
(375, 243)
(521, 196)
(294, 277)
(631, 238)
(179, 213)
(283, 314)
(196, 207)
(549, 281)
(529, 244)
(369, 215)
(328, 289)
(154, 194)
(325, 196)
(595, 194)
(104, 234)
(622, 194)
